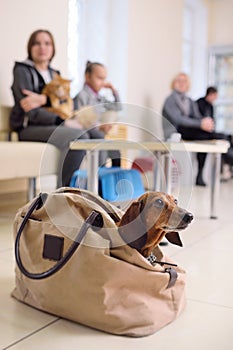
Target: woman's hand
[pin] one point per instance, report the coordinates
(207, 124)
(32, 100)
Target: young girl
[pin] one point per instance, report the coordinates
(95, 80)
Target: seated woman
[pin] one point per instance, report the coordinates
(29, 116)
(181, 114)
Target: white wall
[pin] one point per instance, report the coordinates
(154, 49)
(154, 57)
(220, 22)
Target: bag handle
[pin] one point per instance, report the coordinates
(94, 218)
(94, 198)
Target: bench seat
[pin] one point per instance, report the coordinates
(20, 159)
(29, 160)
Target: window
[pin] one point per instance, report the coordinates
(195, 53)
(187, 53)
(96, 32)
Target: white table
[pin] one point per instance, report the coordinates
(214, 147)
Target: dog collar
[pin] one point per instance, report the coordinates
(62, 101)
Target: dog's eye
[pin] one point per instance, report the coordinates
(159, 203)
(175, 201)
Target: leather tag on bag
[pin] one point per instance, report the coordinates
(53, 247)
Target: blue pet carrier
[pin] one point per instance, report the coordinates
(115, 183)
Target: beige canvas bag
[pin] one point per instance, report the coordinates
(72, 262)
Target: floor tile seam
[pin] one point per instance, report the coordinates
(191, 245)
(5, 250)
(31, 334)
(188, 246)
(218, 223)
(209, 303)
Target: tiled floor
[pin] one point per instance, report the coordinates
(206, 323)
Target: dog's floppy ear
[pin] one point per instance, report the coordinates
(174, 238)
(131, 213)
(131, 227)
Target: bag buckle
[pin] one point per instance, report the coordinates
(152, 259)
(172, 272)
(173, 276)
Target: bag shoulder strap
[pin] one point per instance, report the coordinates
(94, 220)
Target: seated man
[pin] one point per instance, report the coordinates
(206, 108)
(205, 104)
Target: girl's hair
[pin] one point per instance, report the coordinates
(177, 76)
(91, 65)
(32, 41)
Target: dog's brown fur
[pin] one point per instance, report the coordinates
(150, 218)
(58, 91)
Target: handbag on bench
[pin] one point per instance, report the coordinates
(72, 262)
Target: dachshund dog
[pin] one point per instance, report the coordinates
(150, 218)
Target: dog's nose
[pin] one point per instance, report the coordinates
(188, 217)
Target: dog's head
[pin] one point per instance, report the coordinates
(151, 217)
(57, 88)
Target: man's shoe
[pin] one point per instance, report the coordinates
(199, 181)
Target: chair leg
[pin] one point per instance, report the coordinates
(31, 188)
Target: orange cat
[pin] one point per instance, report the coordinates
(58, 90)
